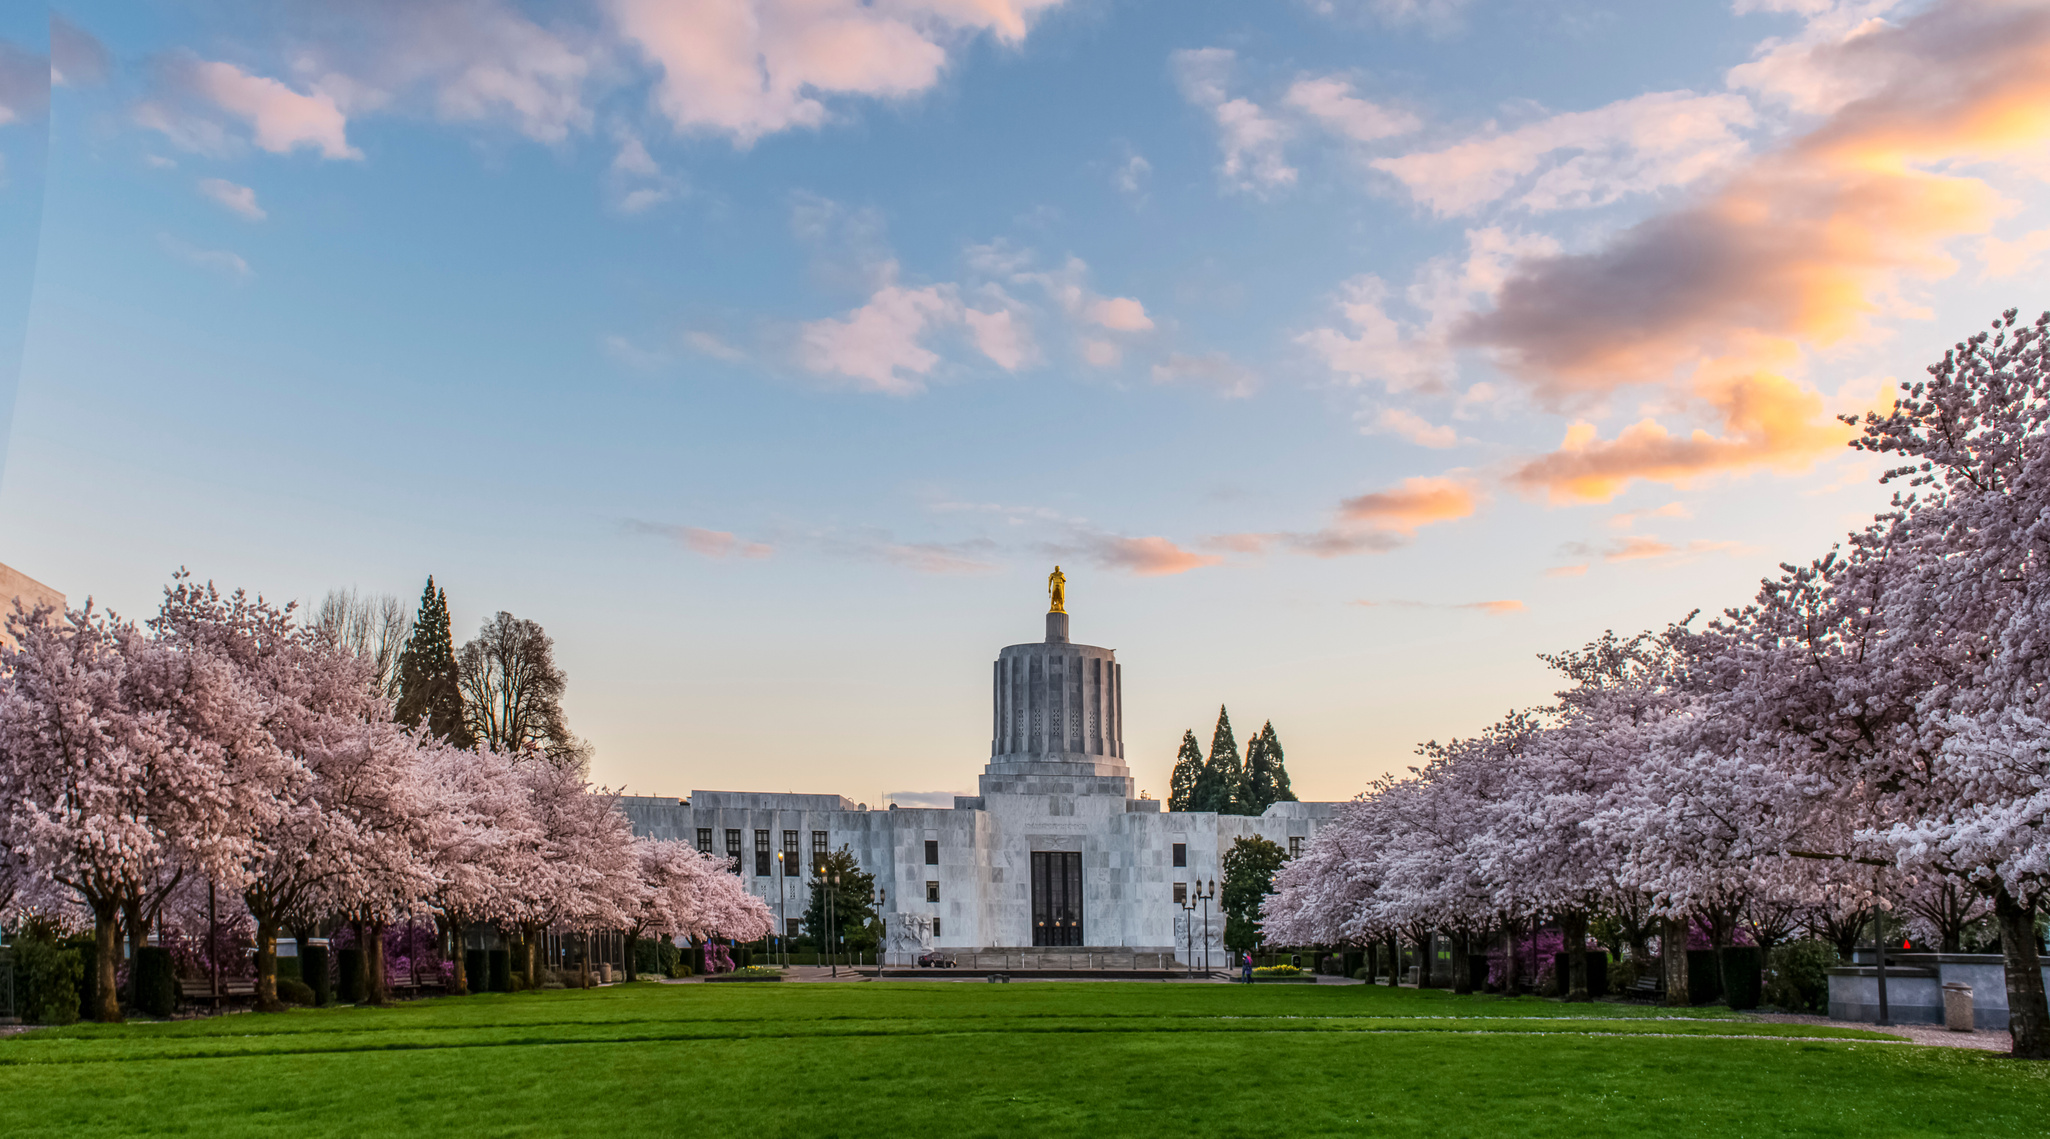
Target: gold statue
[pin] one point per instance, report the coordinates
(1058, 587)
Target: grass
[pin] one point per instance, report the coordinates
(947, 1059)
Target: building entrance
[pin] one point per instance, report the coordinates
(1056, 897)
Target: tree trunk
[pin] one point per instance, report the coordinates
(2028, 1020)
(379, 987)
(267, 966)
(530, 934)
(1673, 954)
(106, 952)
(1462, 973)
(1394, 959)
(1510, 982)
(633, 943)
(458, 956)
(1573, 929)
(131, 910)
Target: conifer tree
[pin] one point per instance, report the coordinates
(1188, 767)
(1266, 780)
(1217, 784)
(429, 688)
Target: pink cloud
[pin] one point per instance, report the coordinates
(280, 119)
(240, 199)
(703, 542)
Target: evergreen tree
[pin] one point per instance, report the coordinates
(1188, 767)
(429, 687)
(854, 906)
(1249, 868)
(1266, 778)
(1278, 789)
(1218, 782)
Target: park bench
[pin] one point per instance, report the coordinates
(201, 991)
(1647, 986)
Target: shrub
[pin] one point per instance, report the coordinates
(1741, 975)
(501, 970)
(1798, 977)
(49, 977)
(1277, 971)
(294, 991)
(477, 970)
(315, 973)
(156, 982)
(1360, 974)
(1704, 977)
(291, 967)
(350, 991)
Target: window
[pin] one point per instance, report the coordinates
(789, 854)
(790, 926)
(761, 854)
(705, 840)
(1295, 845)
(1181, 854)
(1181, 893)
(935, 927)
(818, 851)
(932, 891)
(932, 852)
(733, 849)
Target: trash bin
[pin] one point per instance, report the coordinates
(1957, 1006)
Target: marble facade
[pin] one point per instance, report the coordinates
(1054, 851)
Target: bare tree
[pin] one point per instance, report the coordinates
(512, 691)
(373, 626)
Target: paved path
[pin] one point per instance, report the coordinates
(1932, 1034)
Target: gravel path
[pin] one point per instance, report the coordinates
(1932, 1034)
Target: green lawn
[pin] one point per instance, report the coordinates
(940, 1060)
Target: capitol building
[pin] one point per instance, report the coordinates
(1055, 852)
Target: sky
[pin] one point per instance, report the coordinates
(1345, 354)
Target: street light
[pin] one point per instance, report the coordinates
(1189, 927)
(832, 877)
(782, 891)
(1205, 897)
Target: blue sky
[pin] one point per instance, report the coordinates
(1345, 354)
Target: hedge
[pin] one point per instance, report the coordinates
(48, 977)
(351, 989)
(501, 970)
(156, 982)
(477, 970)
(1743, 975)
(314, 971)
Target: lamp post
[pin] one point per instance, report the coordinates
(1879, 951)
(1204, 896)
(1189, 929)
(782, 891)
(832, 877)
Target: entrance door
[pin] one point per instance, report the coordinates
(1057, 897)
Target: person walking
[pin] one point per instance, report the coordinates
(1246, 966)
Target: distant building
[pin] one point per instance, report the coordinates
(18, 586)
(1056, 852)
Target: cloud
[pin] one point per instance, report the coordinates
(1415, 428)
(1373, 523)
(639, 183)
(1414, 502)
(879, 345)
(1402, 354)
(1435, 16)
(633, 355)
(1579, 570)
(1492, 608)
(1669, 510)
(217, 260)
(705, 543)
(77, 59)
(1227, 377)
(712, 346)
(1252, 140)
(1331, 102)
(748, 68)
(1001, 337)
(1582, 158)
(2007, 259)
(1803, 248)
(1146, 557)
(280, 120)
(241, 199)
(1129, 177)
(1120, 314)
(937, 557)
(1101, 353)
(1641, 547)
